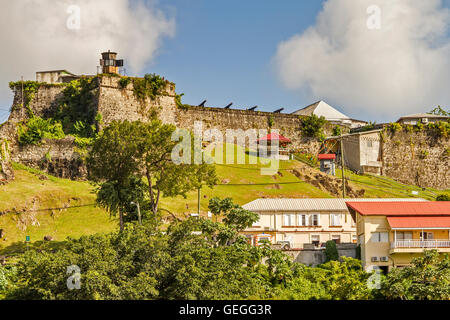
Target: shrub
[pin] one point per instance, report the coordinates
(394, 127)
(36, 129)
(443, 197)
(312, 126)
(124, 82)
(331, 252)
(337, 131)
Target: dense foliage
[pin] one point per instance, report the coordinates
(443, 197)
(187, 261)
(36, 129)
(428, 278)
(312, 126)
(125, 150)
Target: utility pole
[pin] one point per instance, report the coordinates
(139, 211)
(342, 165)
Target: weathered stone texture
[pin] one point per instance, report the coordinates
(6, 171)
(418, 158)
(57, 157)
(44, 103)
(116, 103)
(223, 119)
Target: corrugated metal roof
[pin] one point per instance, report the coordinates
(397, 208)
(419, 222)
(423, 115)
(310, 204)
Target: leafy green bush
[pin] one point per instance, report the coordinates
(428, 278)
(124, 82)
(337, 131)
(312, 126)
(76, 109)
(148, 87)
(443, 197)
(36, 129)
(394, 127)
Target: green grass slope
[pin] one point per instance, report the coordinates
(36, 204)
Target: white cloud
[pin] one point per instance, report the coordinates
(404, 67)
(35, 36)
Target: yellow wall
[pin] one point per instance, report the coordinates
(366, 225)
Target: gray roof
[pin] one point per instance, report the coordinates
(312, 204)
(423, 115)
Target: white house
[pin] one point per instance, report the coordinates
(321, 108)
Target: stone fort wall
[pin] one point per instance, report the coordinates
(409, 157)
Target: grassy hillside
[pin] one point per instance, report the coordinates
(36, 204)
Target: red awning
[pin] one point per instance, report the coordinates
(397, 208)
(327, 156)
(274, 136)
(419, 222)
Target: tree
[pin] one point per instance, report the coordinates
(134, 149)
(163, 175)
(312, 126)
(443, 197)
(428, 278)
(439, 111)
(112, 161)
(331, 252)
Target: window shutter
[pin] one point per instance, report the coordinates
(318, 219)
(286, 220)
(292, 220)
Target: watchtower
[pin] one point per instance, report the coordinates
(109, 63)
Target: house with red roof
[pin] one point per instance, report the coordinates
(391, 234)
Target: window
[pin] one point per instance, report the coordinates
(380, 237)
(354, 238)
(404, 235)
(302, 220)
(314, 220)
(315, 239)
(288, 220)
(256, 223)
(335, 219)
(426, 236)
(336, 238)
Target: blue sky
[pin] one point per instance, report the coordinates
(223, 51)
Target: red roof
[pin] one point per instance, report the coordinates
(419, 222)
(426, 208)
(274, 136)
(327, 156)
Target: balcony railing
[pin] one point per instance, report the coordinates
(420, 244)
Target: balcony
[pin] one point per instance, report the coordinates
(420, 245)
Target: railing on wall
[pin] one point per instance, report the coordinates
(420, 244)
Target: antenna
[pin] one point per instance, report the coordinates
(229, 105)
(202, 104)
(279, 110)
